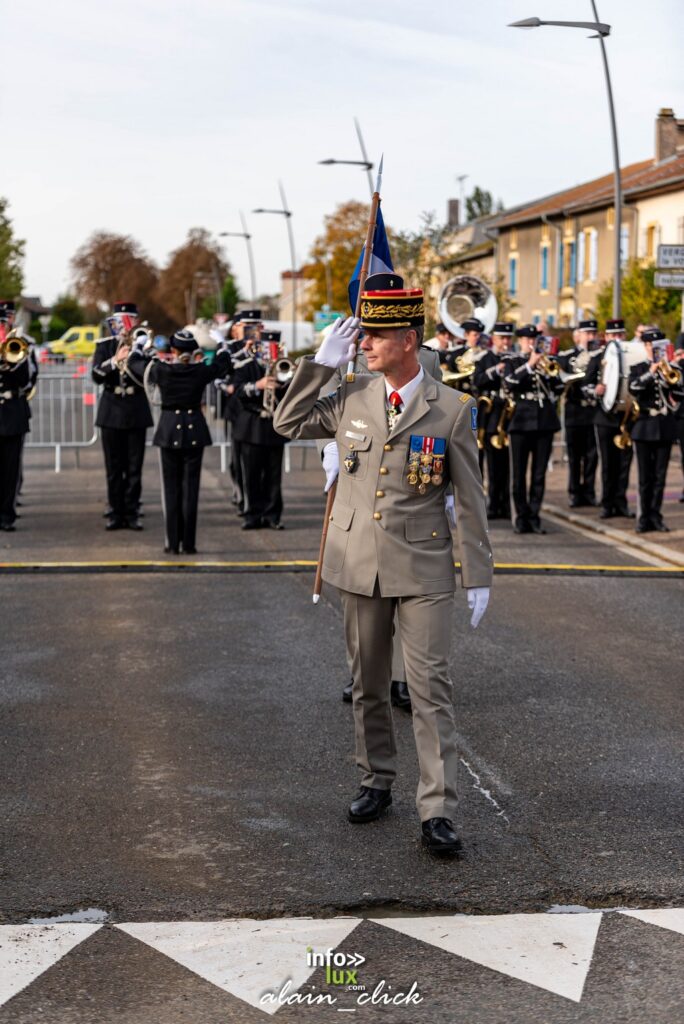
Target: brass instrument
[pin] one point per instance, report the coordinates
(466, 296)
(487, 405)
(465, 367)
(623, 439)
(549, 366)
(670, 374)
(283, 370)
(500, 439)
(13, 348)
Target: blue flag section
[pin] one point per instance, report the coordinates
(381, 260)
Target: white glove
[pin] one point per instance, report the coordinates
(339, 347)
(478, 599)
(331, 464)
(450, 509)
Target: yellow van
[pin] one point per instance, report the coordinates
(76, 343)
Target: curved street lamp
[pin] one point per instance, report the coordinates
(287, 214)
(250, 255)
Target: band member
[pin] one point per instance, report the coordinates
(182, 433)
(468, 353)
(535, 388)
(245, 332)
(615, 462)
(657, 387)
(495, 409)
(330, 455)
(579, 414)
(123, 416)
(18, 374)
(679, 411)
(258, 391)
(443, 343)
(405, 438)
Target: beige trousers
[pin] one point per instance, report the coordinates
(398, 668)
(424, 625)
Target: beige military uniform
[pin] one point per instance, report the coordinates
(429, 360)
(389, 548)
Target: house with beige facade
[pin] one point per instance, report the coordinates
(555, 252)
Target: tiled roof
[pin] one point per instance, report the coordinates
(645, 176)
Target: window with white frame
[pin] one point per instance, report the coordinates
(580, 255)
(593, 254)
(624, 244)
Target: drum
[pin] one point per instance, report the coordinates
(619, 357)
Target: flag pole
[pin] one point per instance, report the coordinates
(367, 255)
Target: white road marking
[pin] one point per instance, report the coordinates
(551, 951)
(26, 950)
(246, 958)
(669, 917)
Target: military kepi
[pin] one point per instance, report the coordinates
(386, 303)
(126, 307)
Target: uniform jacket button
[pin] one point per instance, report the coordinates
(178, 426)
(194, 442)
(434, 533)
(190, 426)
(384, 471)
(177, 412)
(379, 494)
(377, 515)
(387, 447)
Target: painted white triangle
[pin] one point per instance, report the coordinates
(247, 958)
(551, 951)
(26, 950)
(669, 917)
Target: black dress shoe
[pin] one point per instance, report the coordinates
(537, 528)
(623, 512)
(369, 804)
(576, 503)
(134, 524)
(660, 526)
(522, 527)
(347, 692)
(251, 524)
(171, 551)
(8, 527)
(645, 528)
(607, 513)
(269, 524)
(399, 695)
(114, 524)
(189, 551)
(439, 836)
(108, 513)
(590, 501)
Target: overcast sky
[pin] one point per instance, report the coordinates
(149, 117)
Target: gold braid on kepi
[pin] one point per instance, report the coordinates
(395, 308)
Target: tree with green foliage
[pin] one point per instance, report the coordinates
(642, 302)
(480, 203)
(230, 296)
(69, 310)
(12, 251)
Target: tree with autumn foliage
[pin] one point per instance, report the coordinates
(195, 270)
(344, 232)
(111, 268)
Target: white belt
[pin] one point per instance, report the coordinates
(8, 394)
(124, 391)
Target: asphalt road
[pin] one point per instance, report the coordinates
(174, 749)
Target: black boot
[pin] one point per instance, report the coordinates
(347, 692)
(369, 804)
(439, 836)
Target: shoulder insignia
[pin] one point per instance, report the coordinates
(463, 397)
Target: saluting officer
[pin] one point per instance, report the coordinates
(532, 426)
(123, 416)
(657, 387)
(17, 379)
(405, 438)
(429, 359)
(489, 381)
(579, 414)
(615, 462)
(261, 447)
(182, 433)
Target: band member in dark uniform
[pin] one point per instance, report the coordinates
(657, 387)
(123, 416)
(579, 414)
(615, 462)
(182, 433)
(534, 421)
(489, 374)
(245, 332)
(18, 374)
(679, 412)
(261, 447)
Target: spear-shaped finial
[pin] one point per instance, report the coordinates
(378, 183)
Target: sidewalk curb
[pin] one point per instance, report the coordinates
(648, 547)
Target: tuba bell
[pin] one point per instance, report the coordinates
(466, 296)
(13, 348)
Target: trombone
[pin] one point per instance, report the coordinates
(487, 404)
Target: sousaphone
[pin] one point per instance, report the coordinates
(465, 296)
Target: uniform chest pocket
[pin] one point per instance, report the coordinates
(355, 449)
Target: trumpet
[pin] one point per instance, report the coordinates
(487, 404)
(670, 374)
(283, 370)
(13, 348)
(549, 366)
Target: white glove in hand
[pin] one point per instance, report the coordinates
(339, 347)
(450, 509)
(331, 464)
(478, 599)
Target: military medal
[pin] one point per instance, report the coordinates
(426, 461)
(351, 462)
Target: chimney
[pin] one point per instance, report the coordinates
(669, 134)
(453, 219)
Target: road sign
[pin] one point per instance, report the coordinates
(670, 257)
(669, 281)
(323, 318)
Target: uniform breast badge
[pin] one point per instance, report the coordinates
(426, 461)
(351, 462)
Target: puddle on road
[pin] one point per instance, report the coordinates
(89, 916)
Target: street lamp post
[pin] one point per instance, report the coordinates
(250, 255)
(602, 30)
(287, 214)
(365, 162)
